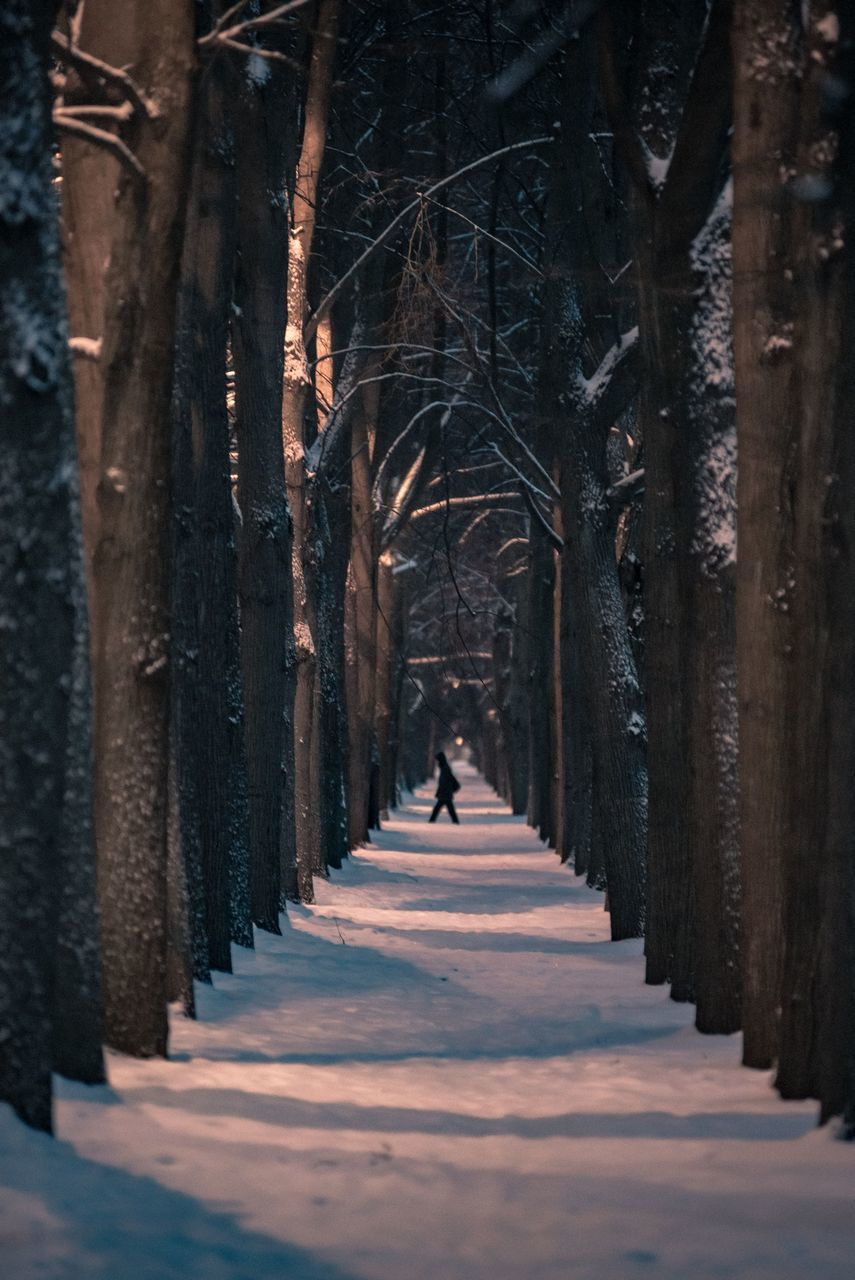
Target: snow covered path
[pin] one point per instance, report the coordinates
(441, 1071)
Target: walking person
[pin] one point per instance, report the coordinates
(445, 790)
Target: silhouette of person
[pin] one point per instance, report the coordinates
(445, 790)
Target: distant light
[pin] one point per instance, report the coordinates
(458, 742)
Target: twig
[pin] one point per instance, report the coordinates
(119, 114)
(87, 63)
(102, 138)
(221, 33)
(272, 55)
(325, 303)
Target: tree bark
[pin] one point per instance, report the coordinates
(264, 158)
(295, 388)
(767, 107)
(47, 909)
(211, 755)
(131, 538)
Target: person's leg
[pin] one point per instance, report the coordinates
(453, 812)
(436, 809)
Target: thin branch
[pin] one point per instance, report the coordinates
(536, 514)
(532, 488)
(325, 303)
(592, 390)
(271, 55)
(627, 488)
(477, 500)
(119, 114)
(222, 33)
(488, 235)
(102, 138)
(88, 65)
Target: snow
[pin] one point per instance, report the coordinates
(714, 539)
(442, 1071)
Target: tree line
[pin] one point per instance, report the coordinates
(376, 373)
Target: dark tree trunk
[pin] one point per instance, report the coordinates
(540, 630)
(766, 226)
(47, 910)
(578, 750)
(331, 520)
(362, 609)
(78, 1013)
(686, 117)
(264, 158)
(816, 1001)
(581, 233)
(209, 714)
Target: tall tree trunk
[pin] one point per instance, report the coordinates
(766, 225)
(541, 572)
(211, 753)
(575, 305)
(264, 152)
(47, 910)
(815, 1038)
(131, 539)
(295, 387)
(331, 520)
(707, 466)
(674, 146)
(362, 606)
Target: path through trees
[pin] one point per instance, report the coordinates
(442, 1068)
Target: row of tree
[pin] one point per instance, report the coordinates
(403, 357)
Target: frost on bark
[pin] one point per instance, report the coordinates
(584, 315)
(47, 910)
(129, 432)
(671, 126)
(708, 468)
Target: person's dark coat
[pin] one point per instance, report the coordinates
(447, 784)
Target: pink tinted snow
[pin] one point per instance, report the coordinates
(441, 1071)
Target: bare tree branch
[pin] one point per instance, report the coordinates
(90, 67)
(101, 138)
(385, 235)
(222, 33)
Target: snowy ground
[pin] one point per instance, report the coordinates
(441, 1071)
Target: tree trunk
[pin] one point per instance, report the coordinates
(211, 751)
(541, 573)
(295, 388)
(708, 469)
(47, 910)
(131, 539)
(264, 158)
(331, 520)
(768, 411)
(362, 606)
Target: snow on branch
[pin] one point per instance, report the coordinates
(592, 390)
(628, 487)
